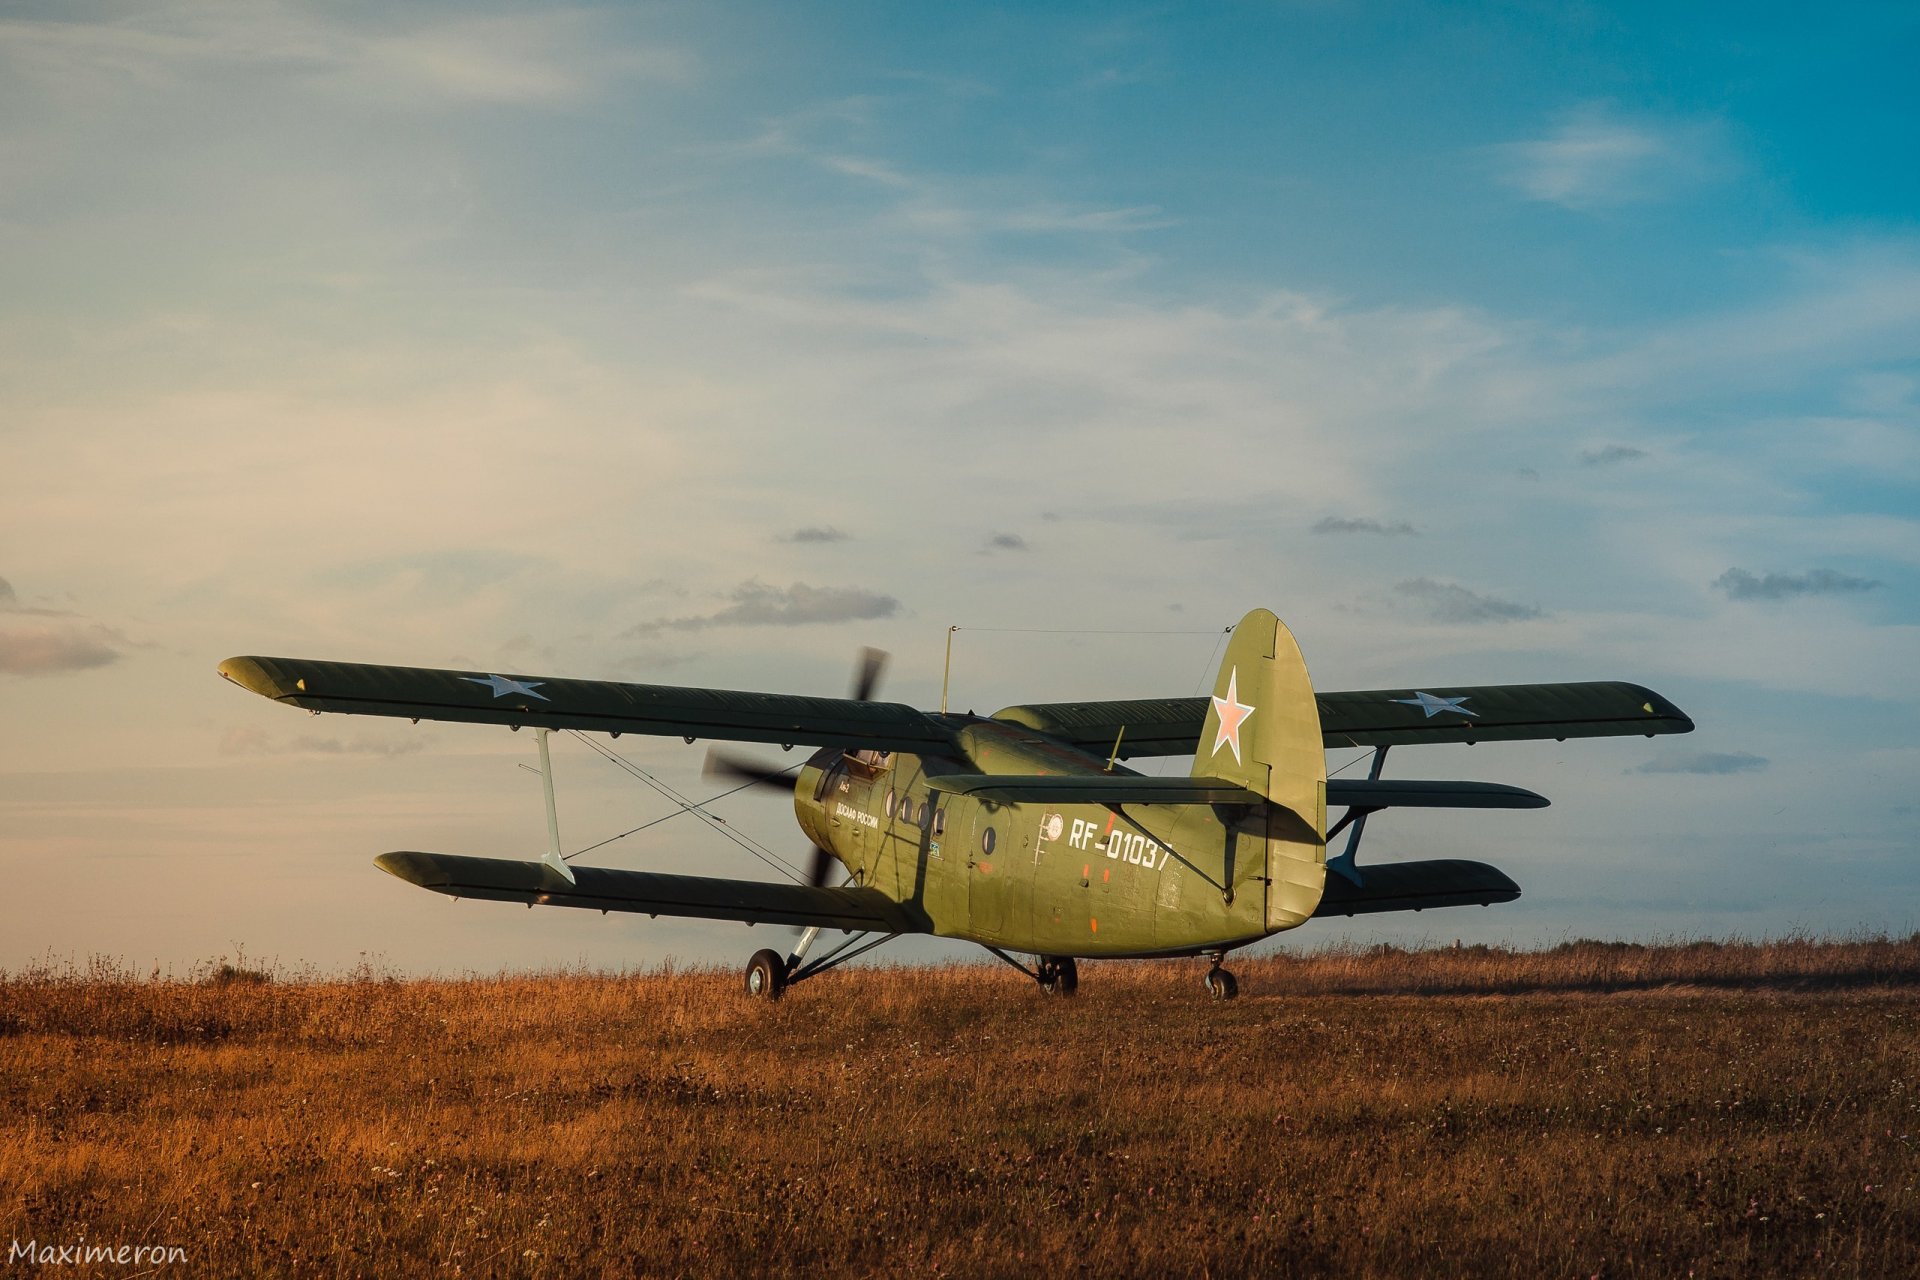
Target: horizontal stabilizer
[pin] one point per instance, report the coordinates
(1415, 886)
(1394, 793)
(701, 897)
(1093, 788)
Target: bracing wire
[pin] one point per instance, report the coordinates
(1199, 686)
(665, 817)
(1367, 754)
(685, 805)
(1087, 631)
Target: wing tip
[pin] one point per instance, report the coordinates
(255, 675)
(415, 868)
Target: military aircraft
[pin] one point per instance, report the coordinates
(1021, 831)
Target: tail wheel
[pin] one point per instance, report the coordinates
(766, 975)
(1221, 985)
(1059, 976)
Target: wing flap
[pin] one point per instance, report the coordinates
(699, 897)
(423, 693)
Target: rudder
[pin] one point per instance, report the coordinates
(1263, 732)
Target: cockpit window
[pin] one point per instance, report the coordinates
(829, 777)
(868, 764)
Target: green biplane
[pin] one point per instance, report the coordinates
(1021, 831)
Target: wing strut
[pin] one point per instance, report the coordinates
(552, 858)
(800, 972)
(1344, 864)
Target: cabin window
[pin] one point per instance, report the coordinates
(886, 806)
(987, 840)
(939, 822)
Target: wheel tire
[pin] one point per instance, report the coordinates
(766, 975)
(1068, 980)
(1059, 976)
(1221, 985)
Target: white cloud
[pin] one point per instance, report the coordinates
(1597, 159)
(553, 57)
(41, 649)
(37, 641)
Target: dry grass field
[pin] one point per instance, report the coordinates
(1596, 1109)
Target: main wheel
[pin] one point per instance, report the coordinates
(1059, 976)
(1221, 984)
(766, 975)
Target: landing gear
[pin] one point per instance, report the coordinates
(1058, 975)
(766, 975)
(1221, 984)
(769, 974)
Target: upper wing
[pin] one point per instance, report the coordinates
(1377, 717)
(422, 693)
(1497, 713)
(607, 889)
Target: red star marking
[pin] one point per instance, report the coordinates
(1233, 713)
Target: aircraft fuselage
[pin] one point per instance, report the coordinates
(1054, 879)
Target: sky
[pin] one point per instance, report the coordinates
(706, 343)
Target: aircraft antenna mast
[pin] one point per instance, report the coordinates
(946, 677)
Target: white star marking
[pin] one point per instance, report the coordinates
(504, 685)
(1433, 705)
(1233, 713)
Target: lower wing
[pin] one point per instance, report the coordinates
(701, 897)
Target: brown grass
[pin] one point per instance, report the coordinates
(1708, 1109)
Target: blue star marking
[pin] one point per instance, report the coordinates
(1434, 705)
(504, 685)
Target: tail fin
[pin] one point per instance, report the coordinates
(1263, 732)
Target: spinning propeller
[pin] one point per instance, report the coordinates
(724, 764)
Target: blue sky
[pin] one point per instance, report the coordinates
(1480, 343)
